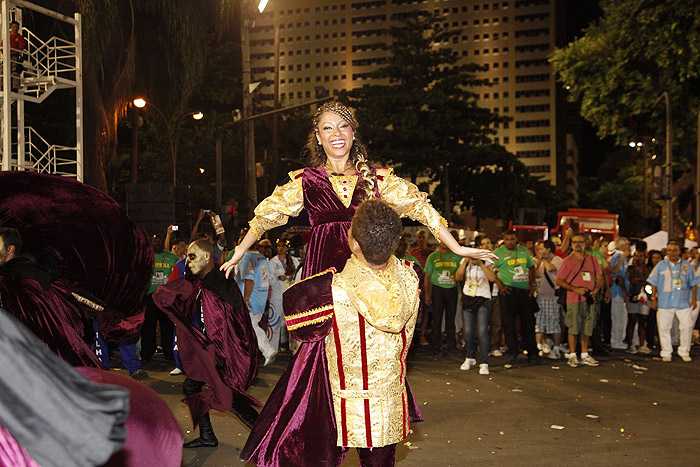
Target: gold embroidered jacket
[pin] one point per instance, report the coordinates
(367, 318)
(374, 318)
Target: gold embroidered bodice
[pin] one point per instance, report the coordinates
(344, 187)
(288, 201)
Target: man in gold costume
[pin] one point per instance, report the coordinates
(367, 315)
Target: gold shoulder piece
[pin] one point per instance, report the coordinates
(331, 270)
(294, 174)
(383, 172)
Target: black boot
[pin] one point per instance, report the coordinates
(242, 409)
(207, 438)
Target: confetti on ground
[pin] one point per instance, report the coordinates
(425, 403)
(640, 367)
(639, 372)
(507, 365)
(604, 381)
(410, 446)
(501, 433)
(557, 427)
(516, 390)
(622, 430)
(590, 415)
(555, 368)
(656, 403)
(498, 447)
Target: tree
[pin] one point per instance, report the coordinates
(146, 46)
(425, 119)
(636, 51)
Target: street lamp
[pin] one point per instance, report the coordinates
(172, 133)
(668, 172)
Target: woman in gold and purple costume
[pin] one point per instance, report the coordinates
(330, 189)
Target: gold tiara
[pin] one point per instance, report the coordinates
(338, 109)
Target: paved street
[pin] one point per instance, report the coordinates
(525, 415)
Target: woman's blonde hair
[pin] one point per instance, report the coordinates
(358, 153)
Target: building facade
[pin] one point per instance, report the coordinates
(326, 46)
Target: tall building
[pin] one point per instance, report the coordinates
(326, 45)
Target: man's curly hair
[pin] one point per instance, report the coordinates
(377, 229)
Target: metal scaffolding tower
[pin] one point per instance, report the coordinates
(32, 75)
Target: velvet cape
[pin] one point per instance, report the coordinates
(297, 424)
(226, 358)
(103, 255)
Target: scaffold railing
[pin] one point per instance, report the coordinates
(41, 156)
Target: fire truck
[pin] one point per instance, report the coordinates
(597, 222)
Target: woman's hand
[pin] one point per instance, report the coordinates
(477, 253)
(232, 264)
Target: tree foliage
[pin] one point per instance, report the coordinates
(636, 51)
(423, 117)
(153, 47)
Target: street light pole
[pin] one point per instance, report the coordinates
(134, 143)
(668, 173)
(249, 138)
(669, 164)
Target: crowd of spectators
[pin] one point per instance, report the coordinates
(572, 298)
(575, 297)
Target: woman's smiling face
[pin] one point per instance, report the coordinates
(335, 135)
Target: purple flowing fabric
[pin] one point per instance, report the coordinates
(101, 251)
(226, 358)
(154, 436)
(54, 317)
(297, 424)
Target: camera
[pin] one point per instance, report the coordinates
(207, 211)
(589, 297)
(175, 227)
(633, 298)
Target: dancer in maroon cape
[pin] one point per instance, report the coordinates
(330, 190)
(216, 341)
(80, 257)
